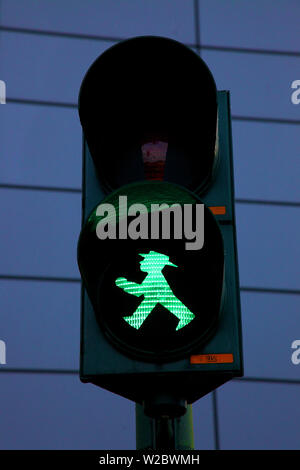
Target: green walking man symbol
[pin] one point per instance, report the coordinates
(155, 290)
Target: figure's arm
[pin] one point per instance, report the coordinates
(131, 287)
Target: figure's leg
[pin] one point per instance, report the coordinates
(139, 316)
(180, 311)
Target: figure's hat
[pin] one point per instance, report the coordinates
(159, 257)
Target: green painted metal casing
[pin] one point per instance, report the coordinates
(104, 365)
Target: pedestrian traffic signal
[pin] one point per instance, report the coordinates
(148, 305)
(160, 320)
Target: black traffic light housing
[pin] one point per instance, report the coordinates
(146, 89)
(143, 90)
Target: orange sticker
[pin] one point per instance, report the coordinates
(218, 210)
(211, 359)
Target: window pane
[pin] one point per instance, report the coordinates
(266, 161)
(268, 246)
(40, 146)
(270, 325)
(262, 24)
(49, 411)
(259, 85)
(39, 233)
(45, 67)
(120, 18)
(259, 416)
(40, 324)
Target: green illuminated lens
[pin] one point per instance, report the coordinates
(155, 290)
(147, 194)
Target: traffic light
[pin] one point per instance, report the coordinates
(160, 321)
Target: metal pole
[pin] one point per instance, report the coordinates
(164, 433)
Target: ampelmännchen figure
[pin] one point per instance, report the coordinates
(155, 290)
